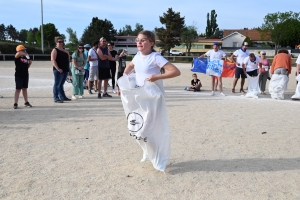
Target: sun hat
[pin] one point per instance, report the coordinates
(245, 44)
(87, 46)
(262, 52)
(20, 48)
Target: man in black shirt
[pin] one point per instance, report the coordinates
(22, 63)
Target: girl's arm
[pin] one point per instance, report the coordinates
(298, 69)
(171, 72)
(129, 68)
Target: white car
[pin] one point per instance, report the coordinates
(174, 52)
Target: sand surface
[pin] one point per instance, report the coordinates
(82, 149)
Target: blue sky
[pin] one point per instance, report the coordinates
(233, 14)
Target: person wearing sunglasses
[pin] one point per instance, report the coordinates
(78, 63)
(60, 58)
(113, 64)
(103, 67)
(263, 72)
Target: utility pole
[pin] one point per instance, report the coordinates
(42, 27)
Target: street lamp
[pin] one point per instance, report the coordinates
(42, 29)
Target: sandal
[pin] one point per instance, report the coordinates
(242, 90)
(233, 90)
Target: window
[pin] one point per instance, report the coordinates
(121, 39)
(235, 44)
(120, 45)
(131, 45)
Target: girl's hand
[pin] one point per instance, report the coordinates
(153, 78)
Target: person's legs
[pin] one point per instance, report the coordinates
(63, 77)
(212, 83)
(264, 81)
(24, 92)
(234, 84)
(105, 86)
(260, 77)
(216, 82)
(80, 85)
(220, 84)
(56, 85)
(242, 85)
(99, 86)
(113, 76)
(16, 96)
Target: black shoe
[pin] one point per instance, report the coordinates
(106, 95)
(58, 101)
(27, 104)
(15, 106)
(99, 96)
(96, 90)
(67, 99)
(90, 92)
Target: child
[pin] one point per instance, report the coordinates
(195, 84)
(122, 65)
(22, 63)
(147, 64)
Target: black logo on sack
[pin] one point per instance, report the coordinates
(135, 121)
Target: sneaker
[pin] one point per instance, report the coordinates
(80, 97)
(106, 95)
(90, 92)
(58, 101)
(15, 106)
(222, 94)
(27, 104)
(114, 91)
(212, 93)
(99, 96)
(96, 90)
(74, 97)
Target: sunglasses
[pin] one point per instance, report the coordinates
(60, 41)
(80, 47)
(263, 54)
(103, 41)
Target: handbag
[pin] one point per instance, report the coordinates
(78, 72)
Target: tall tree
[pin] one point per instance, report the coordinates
(23, 35)
(98, 28)
(211, 25)
(72, 36)
(138, 28)
(2, 32)
(127, 30)
(169, 35)
(50, 32)
(188, 36)
(269, 28)
(289, 30)
(12, 32)
(30, 37)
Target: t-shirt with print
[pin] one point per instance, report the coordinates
(93, 54)
(251, 65)
(21, 69)
(146, 65)
(241, 55)
(194, 83)
(215, 55)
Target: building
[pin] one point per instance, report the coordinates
(126, 42)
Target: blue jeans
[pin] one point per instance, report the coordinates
(58, 87)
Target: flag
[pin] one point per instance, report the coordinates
(200, 65)
(228, 69)
(207, 66)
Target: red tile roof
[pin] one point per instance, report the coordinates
(253, 34)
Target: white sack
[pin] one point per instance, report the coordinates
(253, 87)
(278, 85)
(297, 92)
(146, 113)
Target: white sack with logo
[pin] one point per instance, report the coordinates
(278, 85)
(253, 87)
(297, 92)
(146, 113)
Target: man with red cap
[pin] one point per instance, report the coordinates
(22, 63)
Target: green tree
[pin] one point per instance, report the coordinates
(212, 29)
(169, 35)
(127, 30)
(272, 26)
(248, 40)
(30, 37)
(50, 32)
(23, 35)
(138, 28)
(12, 32)
(289, 30)
(73, 40)
(98, 28)
(2, 32)
(188, 36)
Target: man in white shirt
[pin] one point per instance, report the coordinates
(93, 60)
(240, 55)
(215, 54)
(250, 65)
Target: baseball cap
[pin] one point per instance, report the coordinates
(245, 44)
(215, 43)
(20, 48)
(262, 52)
(87, 46)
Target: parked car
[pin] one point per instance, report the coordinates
(174, 52)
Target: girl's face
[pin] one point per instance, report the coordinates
(143, 44)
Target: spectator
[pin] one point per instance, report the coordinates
(122, 54)
(87, 65)
(263, 72)
(195, 84)
(78, 63)
(112, 64)
(60, 59)
(22, 63)
(93, 60)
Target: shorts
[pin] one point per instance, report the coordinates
(93, 73)
(86, 74)
(119, 75)
(104, 73)
(239, 73)
(21, 82)
(253, 73)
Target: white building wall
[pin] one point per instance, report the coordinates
(228, 42)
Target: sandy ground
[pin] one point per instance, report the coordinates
(82, 149)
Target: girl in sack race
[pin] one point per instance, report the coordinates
(144, 103)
